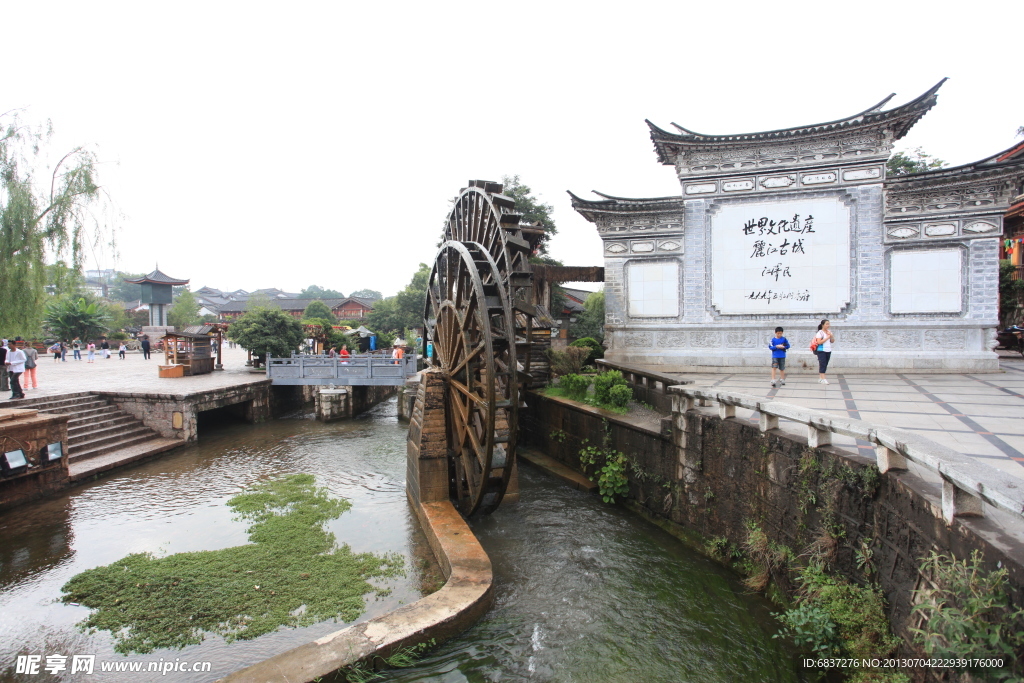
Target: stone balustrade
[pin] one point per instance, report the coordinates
(967, 484)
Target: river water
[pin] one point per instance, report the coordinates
(584, 591)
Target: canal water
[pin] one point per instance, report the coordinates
(584, 590)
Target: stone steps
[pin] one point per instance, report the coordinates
(99, 430)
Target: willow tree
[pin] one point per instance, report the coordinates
(44, 212)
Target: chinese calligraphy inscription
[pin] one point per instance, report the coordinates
(781, 257)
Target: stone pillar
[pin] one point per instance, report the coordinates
(333, 404)
(427, 446)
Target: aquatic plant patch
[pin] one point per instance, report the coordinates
(292, 573)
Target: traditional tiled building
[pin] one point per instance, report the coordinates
(787, 227)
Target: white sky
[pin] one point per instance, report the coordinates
(281, 145)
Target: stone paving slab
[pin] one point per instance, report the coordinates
(83, 469)
(979, 415)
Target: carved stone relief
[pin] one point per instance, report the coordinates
(615, 248)
(896, 339)
(945, 339)
(904, 231)
(743, 339)
(939, 229)
(637, 339)
(643, 247)
(859, 339)
(672, 340)
(980, 226)
(705, 340)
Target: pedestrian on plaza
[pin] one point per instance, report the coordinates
(145, 347)
(823, 340)
(76, 348)
(397, 353)
(55, 349)
(5, 381)
(64, 350)
(105, 345)
(778, 344)
(344, 354)
(121, 349)
(15, 362)
(31, 363)
(90, 350)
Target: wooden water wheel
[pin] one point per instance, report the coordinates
(478, 317)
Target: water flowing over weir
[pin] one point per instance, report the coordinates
(584, 590)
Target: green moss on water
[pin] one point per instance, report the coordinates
(291, 574)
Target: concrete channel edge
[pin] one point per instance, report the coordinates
(464, 598)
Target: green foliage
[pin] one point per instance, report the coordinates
(42, 212)
(568, 361)
(611, 467)
(120, 290)
(402, 658)
(267, 330)
(531, 208)
(367, 294)
(292, 573)
(620, 395)
(858, 613)
(403, 310)
(68, 317)
(594, 346)
(185, 310)
(62, 279)
(318, 292)
(811, 629)
(575, 386)
(603, 384)
(912, 161)
(318, 310)
(970, 615)
(766, 557)
(590, 323)
(1011, 294)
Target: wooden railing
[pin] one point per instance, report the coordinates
(359, 370)
(966, 483)
(1018, 273)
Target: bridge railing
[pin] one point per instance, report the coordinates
(361, 369)
(966, 482)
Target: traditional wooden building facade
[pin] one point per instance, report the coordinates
(349, 308)
(787, 227)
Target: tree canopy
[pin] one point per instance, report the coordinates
(44, 211)
(67, 317)
(403, 310)
(367, 294)
(185, 310)
(318, 310)
(318, 292)
(590, 323)
(532, 209)
(267, 330)
(912, 161)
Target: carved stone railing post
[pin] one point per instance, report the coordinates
(959, 503)
(889, 459)
(725, 411)
(766, 422)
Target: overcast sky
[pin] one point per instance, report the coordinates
(254, 145)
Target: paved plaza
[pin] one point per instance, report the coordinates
(981, 415)
(134, 374)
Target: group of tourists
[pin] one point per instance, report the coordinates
(821, 346)
(17, 359)
(59, 349)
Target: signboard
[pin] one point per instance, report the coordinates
(781, 257)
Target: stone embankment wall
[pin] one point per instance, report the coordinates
(338, 403)
(712, 478)
(31, 431)
(174, 416)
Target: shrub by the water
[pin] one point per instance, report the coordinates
(568, 361)
(291, 574)
(596, 350)
(603, 384)
(575, 386)
(620, 395)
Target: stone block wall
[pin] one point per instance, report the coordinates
(713, 478)
(174, 416)
(427, 447)
(32, 431)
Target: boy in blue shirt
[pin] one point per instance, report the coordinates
(778, 344)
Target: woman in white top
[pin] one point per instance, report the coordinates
(824, 352)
